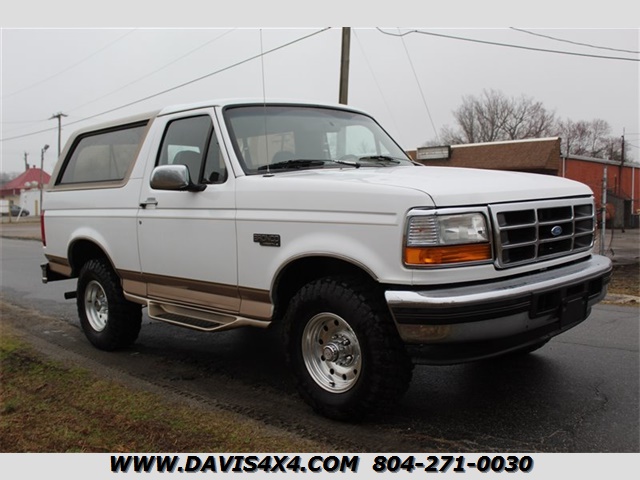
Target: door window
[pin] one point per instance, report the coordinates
(192, 142)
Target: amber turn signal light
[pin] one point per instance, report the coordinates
(449, 254)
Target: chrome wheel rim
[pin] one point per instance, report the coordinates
(331, 353)
(96, 306)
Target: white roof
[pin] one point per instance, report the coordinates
(251, 101)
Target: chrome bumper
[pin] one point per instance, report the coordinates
(534, 307)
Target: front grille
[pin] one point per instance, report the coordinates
(535, 231)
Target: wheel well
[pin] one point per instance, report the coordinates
(302, 271)
(81, 252)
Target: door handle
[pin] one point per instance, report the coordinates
(149, 201)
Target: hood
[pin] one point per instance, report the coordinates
(452, 186)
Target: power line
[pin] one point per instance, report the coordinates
(572, 42)
(521, 47)
(154, 72)
(126, 85)
(29, 134)
(375, 80)
(69, 67)
(229, 67)
(424, 100)
(148, 97)
(22, 121)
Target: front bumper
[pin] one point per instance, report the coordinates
(487, 319)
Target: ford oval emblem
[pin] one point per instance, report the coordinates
(556, 231)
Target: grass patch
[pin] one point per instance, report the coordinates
(48, 407)
(625, 280)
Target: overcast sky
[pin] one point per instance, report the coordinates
(410, 84)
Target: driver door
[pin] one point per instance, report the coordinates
(187, 240)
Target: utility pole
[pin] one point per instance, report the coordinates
(344, 65)
(26, 163)
(603, 226)
(620, 177)
(59, 116)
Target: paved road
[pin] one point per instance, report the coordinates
(578, 394)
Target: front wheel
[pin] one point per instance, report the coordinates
(108, 320)
(343, 349)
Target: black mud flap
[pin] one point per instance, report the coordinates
(49, 275)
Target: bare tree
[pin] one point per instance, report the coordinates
(6, 177)
(589, 138)
(529, 119)
(493, 117)
(448, 136)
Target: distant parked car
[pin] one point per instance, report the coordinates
(17, 211)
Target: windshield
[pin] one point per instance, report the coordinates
(291, 137)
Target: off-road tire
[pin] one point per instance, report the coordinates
(356, 313)
(109, 321)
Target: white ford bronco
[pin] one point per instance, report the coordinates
(237, 213)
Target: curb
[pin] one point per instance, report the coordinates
(619, 299)
(21, 237)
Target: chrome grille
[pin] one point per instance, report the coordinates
(535, 231)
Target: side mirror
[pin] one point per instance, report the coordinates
(173, 177)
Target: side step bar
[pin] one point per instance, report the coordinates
(197, 319)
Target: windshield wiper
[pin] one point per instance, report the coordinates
(292, 164)
(381, 159)
(298, 163)
(345, 162)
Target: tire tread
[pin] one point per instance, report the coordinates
(390, 373)
(125, 317)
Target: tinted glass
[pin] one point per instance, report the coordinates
(103, 157)
(267, 135)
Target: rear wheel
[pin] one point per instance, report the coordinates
(108, 320)
(344, 350)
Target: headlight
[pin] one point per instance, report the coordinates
(444, 239)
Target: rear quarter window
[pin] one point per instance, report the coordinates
(105, 156)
